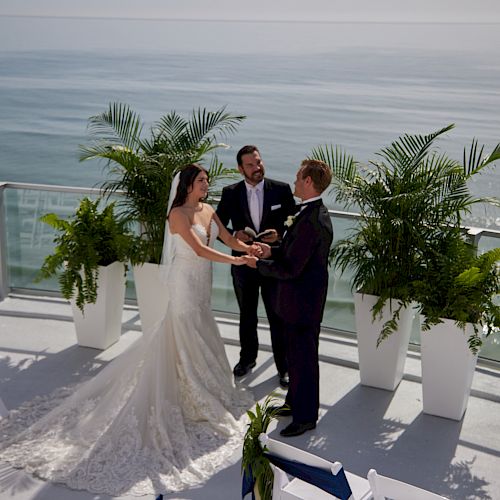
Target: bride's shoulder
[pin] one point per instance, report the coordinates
(208, 208)
(178, 216)
(180, 211)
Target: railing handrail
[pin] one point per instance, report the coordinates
(51, 187)
(473, 231)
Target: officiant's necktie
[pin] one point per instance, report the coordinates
(255, 208)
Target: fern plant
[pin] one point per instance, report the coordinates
(408, 197)
(143, 167)
(83, 243)
(461, 286)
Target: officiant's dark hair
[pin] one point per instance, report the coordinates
(319, 172)
(245, 150)
(186, 180)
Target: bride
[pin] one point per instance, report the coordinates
(164, 415)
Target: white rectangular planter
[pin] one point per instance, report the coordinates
(100, 325)
(447, 369)
(382, 366)
(151, 294)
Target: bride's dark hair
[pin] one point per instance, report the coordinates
(186, 180)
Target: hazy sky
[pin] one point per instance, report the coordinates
(265, 10)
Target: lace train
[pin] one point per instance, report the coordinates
(162, 417)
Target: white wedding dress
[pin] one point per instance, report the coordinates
(162, 417)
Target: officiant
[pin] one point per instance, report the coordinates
(256, 205)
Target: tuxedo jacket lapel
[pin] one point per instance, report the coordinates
(303, 212)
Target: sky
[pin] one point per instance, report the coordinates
(454, 11)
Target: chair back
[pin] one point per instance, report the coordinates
(386, 487)
(288, 452)
(311, 473)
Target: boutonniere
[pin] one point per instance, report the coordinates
(290, 220)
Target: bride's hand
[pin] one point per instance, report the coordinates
(251, 261)
(239, 261)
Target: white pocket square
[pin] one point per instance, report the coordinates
(275, 207)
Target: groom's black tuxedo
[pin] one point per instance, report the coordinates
(234, 213)
(300, 266)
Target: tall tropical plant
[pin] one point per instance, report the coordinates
(143, 167)
(407, 197)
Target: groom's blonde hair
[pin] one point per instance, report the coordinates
(319, 172)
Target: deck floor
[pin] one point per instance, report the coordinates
(360, 426)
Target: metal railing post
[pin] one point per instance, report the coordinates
(4, 271)
(474, 234)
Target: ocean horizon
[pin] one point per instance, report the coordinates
(358, 86)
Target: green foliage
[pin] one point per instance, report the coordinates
(88, 240)
(253, 460)
(143, 168)
(408, 198)
(460, 286)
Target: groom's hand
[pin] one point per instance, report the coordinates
(254, 250)
(266, 250)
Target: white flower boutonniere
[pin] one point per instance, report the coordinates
(289, 221)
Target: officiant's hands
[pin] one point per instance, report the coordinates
(268, 236)
(243, 236)
(271, 236)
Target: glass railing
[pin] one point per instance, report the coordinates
(25, 241)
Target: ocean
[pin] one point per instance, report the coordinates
(300, 85)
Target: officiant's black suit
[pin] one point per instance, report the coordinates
(234, 213)
(300, 267)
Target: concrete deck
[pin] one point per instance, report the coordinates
(361, 427)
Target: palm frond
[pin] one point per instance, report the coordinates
(119, 124)
(474, 162)
(409, 150)
(208, 124)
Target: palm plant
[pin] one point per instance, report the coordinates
(407, 199)
(143, 168)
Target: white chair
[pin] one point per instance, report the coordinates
(385, 487)
(284, 489)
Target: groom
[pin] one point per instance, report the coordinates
(300, 266)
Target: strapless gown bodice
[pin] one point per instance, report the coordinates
(190, 277)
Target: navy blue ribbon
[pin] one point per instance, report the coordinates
(248, 483)
(336, 485)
